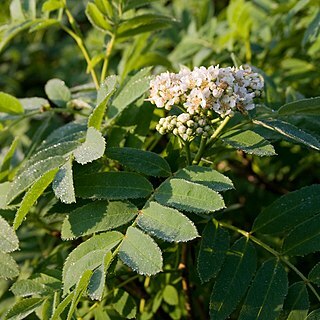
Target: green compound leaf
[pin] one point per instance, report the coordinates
(81, 287)
(113, 186)
(88, 256)
(8, 267)
(97, 19)
(288, 211)
(134, 88)
(233, 280)
(314, 315)
(145, 162)
(58, 92)
(32, 195)
(23, 308)
(143, 23)
(296, 304)
(31, 174)
(105, 92)
(304, 238)
(97, 216)
(301, 107)
(63, 183)
(249, 142)
(92, 149)
(124, 304)
(314, 275)
(8, 239)
(140, 252)
(291, 132)
(189, 196)
(10, 104)
(213, 250)
(266, 295)
(166, 223)
(205, 176)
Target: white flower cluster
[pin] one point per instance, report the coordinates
(185, 125)
(222, 90)
(204, 92)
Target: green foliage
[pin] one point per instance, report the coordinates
(92, 148)
(166, 223)
(296, 304)
(112, 186)
(23, 308)
(8, 239)
(140, 252)
(97, 216)
(32, 195)
(10, 104)
(249, 142)
(58, 92)
(267, 293)
(189, 196)
(145, 162)
(88, 256)
(233, 280)
(213, 249)
(288, 211)
(8, 267)
(108, 199)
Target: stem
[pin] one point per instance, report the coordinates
(273, 252)
(143, 300)
(201, 150)
(188, 154)
(185, 281)
(84, 51)
(218, 130)
(107, 58)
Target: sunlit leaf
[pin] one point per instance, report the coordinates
(189, 196)
(8, 267)
(87, 256)
(10, 104)
(8, 239)
(166, 223)
(58, 92)
(249, 142)
(206, 176)
(97, 216)
(32, 195)
(140, 252)
(92, 149)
